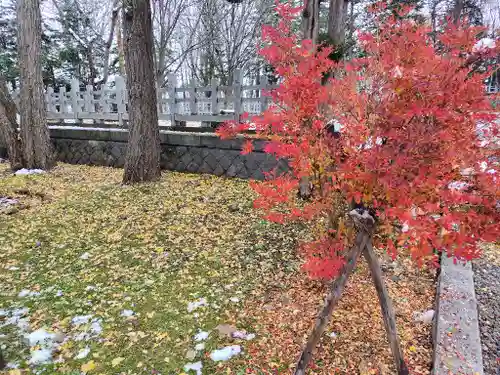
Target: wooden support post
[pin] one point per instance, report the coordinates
(88, 99)
(75, 95)
(387, 309)
(49, 97)
(120, 98)
(172, 83)
(213, 97)
(192, 98)
(62, 99)
(365, 225)
(264, 99)
(237, 94)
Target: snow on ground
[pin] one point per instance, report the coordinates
(226, 353)
(25, 171)
(196, 304)
(197, 366)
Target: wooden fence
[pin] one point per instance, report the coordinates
(213, 103)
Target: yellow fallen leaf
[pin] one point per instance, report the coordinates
(115, 362)
(89, 366)
(413, 349)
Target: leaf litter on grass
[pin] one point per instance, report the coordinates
(158, 277)
(127, 276)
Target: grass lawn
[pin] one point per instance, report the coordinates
(119, 279)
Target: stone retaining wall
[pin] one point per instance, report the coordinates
(183, 152)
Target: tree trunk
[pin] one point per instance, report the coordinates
(336, 21)
(457, 11)
(365, 225)
(387, 309)
(32, 108)
(109, 42)
(2, 361)
(8, 127)
(142, 162)
(310, 20)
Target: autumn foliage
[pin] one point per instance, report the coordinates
(409, 147)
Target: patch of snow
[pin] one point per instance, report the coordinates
(27, 293)
(127, 313)
(96, 327)
(81, 319)
(13, 268)
(398, 73)
(457, 185)
(234, 299)
(25, 172)
(40, 356)
(226, 353)
(483, 44)
(85, 256)
(405, 227)
(39, 337)
(333, 335)
(243, 335)
(83, 353)
(4, 312)
(201, 336)
(196, 304)
(13, 365)
(20, 312)
(197, 366)
(199, 347)
(425, 317)
(90, 287)
(59, 293)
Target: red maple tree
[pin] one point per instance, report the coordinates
(408, 147)
(395, 131)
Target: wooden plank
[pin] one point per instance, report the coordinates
(213, 97)
(264, 98)
(365, 225)
(193, 108)
(387, 309)
(172, 100)
(120, 98)
(74, 94)
(237, 94)
(62, 99)
(49, 95)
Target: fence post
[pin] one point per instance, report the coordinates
(264, 98)
(120, 98)
(49, 98)
(62, 99)
(237, 94)
(172, 83)
(75, 93)
(192, 98)
(213, 96)
(88, 99)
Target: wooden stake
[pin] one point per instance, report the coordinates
(364, 223)
(387, 309)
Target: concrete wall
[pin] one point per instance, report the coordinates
(183, 152)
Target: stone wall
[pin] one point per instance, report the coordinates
(183, 152)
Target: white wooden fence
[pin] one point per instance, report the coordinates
(214, 103)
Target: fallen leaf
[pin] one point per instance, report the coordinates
(89, 366)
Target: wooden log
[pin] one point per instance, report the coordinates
(387, 309)
(365, 225)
